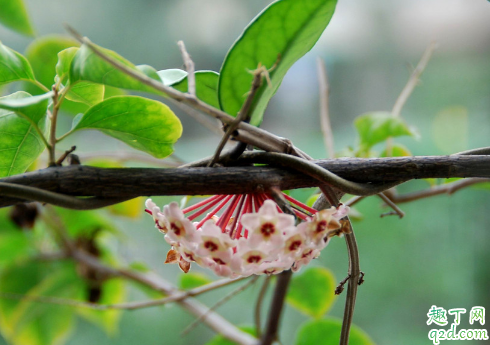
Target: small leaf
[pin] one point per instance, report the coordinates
(63, 64)
(14, 16)
(42, 54)
(220, 340)
(88, 66)
(206, 87)
(312, 292)
(282, 33)
(193, 280)
(397, 150)
(376, 127)
(20, 143)
(86, 92)
(13, 66)
(327, 332)
(30, 107)
(113, 292)
(142, 123)
(171, 76)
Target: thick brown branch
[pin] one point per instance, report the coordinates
(133, 182)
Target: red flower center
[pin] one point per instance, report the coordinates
(267, 229)
(211, 246)
(254, 259)
(321, 226)
(295, 245)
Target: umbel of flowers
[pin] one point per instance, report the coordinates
(241, 235)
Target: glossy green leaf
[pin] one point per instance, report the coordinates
(86, 92)
(83, 91)
(13, 14)
(62, 68)
(397, 150)
(327, 332)
(88, 66)
(142, 123)
(113, 292)
(206, 87)
(376, 127)
(193, 280)
(279, 36)
(42, 54)
(13, 66)
(220, 340)
(31, 107)
(20, 143)
(312, 292)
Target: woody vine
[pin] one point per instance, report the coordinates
(247, 229)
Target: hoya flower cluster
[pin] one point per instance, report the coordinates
(251, 235)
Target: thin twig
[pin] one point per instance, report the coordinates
(354, 200)
(391, 204)
(52, 131)
(448, 188)
(354, 274)
(271, 331)
(189, 67)
(243, 115)
(64, 155)
(413, 80)
(258, 306)
(41, 195)
(324, 108)
(176, 297)
(223, 300)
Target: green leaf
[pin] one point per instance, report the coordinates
(113, 292)
(220, 340)
(312, 292)
(206, 87)
(193, 280)
(142, 123)
(14, 16)
(20, 143)
(42, 53)
(327, 332)
(88, 66)
(86, 92)
(31, 107)
(13, 66)
(279, 36)
(376, 127)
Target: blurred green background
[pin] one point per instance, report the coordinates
(437, 254)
